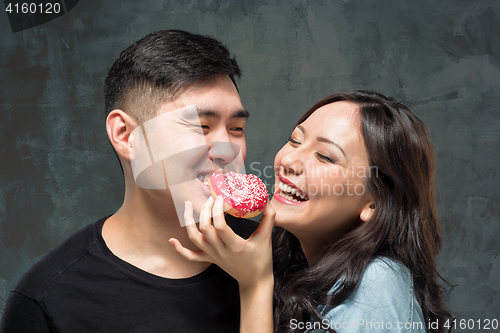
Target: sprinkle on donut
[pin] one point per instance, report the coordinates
(244, 195)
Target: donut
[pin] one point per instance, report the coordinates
(244, 195)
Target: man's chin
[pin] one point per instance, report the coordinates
(197, 202)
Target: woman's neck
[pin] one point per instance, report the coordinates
(312, 249)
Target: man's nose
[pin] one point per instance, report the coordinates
(223, 153)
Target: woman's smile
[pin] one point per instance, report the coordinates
(314, 186)
(289, 193)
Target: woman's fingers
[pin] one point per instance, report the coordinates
(188, 254)
(206, 214)
(209, 209)
(247, 261)
(192, 230)
(218, 212)
(188, 213)
(225, 233)
(266, 224)
(206, 237)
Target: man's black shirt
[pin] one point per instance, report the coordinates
(81, 286)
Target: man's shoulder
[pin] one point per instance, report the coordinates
(52, 265)
(242, 227)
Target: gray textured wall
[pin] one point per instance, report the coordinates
(442, 58)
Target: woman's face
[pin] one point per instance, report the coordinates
(321, 174)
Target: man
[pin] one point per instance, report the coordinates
(120, 274)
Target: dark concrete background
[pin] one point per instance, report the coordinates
(442, 58)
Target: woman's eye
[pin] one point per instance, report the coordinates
(238, 129)
(292, 141)
(324, 158)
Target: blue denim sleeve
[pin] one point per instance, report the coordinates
(383, 302)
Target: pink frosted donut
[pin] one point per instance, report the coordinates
(244, 195)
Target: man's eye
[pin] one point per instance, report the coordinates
(201, 129)
(204, 127)
(292, 141)
(238, 129)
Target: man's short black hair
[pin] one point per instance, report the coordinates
(156, 67)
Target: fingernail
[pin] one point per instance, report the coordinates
(186, 204)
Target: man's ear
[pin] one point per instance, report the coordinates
(367, 211)
(119, 125)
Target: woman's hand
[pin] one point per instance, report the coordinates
(248, 261)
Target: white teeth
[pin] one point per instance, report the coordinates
(287, 191)
(290, 191)
(289, 197)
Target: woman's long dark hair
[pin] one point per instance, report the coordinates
(404, 225)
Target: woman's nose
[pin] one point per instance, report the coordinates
(293, 162)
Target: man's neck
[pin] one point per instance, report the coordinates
(138, 234)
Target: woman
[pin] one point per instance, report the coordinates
(356, 226)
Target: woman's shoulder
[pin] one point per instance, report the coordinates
(384, 300)
(386, 285)
(383, 273)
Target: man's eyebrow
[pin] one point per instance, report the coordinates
(323, 139)
(241, 114)
(207, 113)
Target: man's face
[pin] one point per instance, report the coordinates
(199, 132)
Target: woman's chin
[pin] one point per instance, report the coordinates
(285, 214)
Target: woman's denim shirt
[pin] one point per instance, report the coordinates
(384, 301)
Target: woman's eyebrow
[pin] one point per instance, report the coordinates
(323, 139)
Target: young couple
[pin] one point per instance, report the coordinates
(354, 214)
